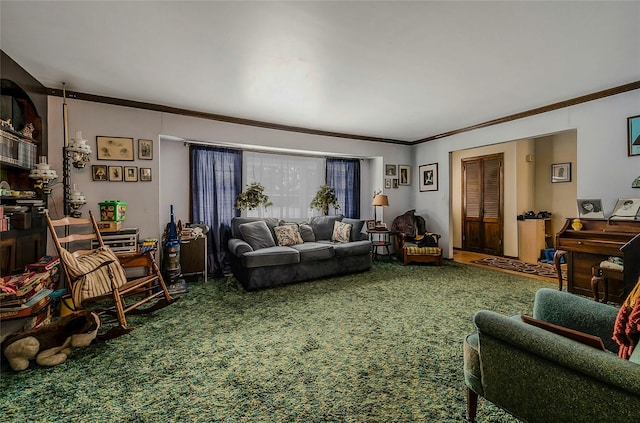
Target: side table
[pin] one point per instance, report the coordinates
(380, 240)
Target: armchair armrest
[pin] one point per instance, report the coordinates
(238, 247)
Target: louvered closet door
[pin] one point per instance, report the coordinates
(482, 204)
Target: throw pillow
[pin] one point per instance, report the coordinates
(257, 234)
(356, 227)
(288, 235)
(341, 232)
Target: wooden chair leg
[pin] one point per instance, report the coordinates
(557, 256)
(472, 405)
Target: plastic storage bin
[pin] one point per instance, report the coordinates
(113, 211)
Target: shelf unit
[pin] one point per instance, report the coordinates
(534, 236)
(23, 101)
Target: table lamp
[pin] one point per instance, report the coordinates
(379, 200)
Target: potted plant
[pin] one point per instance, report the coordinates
(325, 197)
(252, 198)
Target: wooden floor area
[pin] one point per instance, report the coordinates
(467, 257)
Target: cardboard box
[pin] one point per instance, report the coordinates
(109, 226)
(113, 210)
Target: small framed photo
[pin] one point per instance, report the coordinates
(115, 173)
(395, 182)
(371, 225)
(633, 135)
(390, 170)
(590, 209)
(145, 174)
(560, 172)
(114, 148)
(387, 183)
(145, 149)
(131, 174)
(99, 172)
(428, 177)
(404, 172)
(626, 208)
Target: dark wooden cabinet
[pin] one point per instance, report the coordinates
(23, 100)
(193, 256)
(598, 240)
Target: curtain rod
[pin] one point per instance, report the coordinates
(267, 150)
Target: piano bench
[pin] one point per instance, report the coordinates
(600, 274)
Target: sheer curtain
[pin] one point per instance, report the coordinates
(291, 182)
(344, 176)
(215, 183)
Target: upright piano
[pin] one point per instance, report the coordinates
(598, 240)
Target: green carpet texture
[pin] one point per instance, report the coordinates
(379, 346)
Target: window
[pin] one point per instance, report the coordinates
(290, 182)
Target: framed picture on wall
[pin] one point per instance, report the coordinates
(404, 172)
(145, 174)
(395, 182)
(115, 173)
(633, 135)
(428, 177)
(131, 174)
(145, 149)
(387, 183)
(560, 172)
(390, 170)
(114, 148)
(99, 172)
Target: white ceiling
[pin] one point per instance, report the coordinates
(397, 70)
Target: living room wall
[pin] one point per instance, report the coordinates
(148, 202)
(602, 169)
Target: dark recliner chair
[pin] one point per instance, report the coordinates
(413, 242)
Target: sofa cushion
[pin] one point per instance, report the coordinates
(237, 221)
(323, 226)
(355, 248)
(311, 251)
(306, 232)
(356, 228)
(341, 232)
(288, 235)
(271, 256)
(257, 234)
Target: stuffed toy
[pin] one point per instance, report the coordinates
(51, 344)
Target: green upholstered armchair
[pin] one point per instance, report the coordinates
(539, 376)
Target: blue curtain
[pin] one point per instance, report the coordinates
(216, 181)
(344, 176)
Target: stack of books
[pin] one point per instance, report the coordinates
(47, 264)
(24, 301)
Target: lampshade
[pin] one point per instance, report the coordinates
(380, 200)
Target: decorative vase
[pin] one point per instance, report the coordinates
(576, 225)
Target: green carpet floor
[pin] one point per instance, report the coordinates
(380, 346)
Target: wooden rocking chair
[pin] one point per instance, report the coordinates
(96, 276)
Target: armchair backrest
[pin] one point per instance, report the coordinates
(409, 224)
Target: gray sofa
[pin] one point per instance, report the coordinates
(539, 376)
(258, 261)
